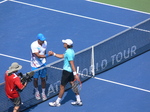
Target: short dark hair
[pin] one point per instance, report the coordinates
(69, 46)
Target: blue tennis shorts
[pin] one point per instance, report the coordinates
(41, 73)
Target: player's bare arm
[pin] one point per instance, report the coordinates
(72, 66)
(74, 70)
(57, 55)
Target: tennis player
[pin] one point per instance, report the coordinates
(68, 74)
(38, 60)
(12, 83)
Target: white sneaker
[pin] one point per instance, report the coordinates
(77, 103)
(37, 95)
(44, 96)
(54, 104)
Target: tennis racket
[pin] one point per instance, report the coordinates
(77, 84)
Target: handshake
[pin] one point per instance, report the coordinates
(50, 53)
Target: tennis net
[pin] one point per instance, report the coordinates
(91, 61)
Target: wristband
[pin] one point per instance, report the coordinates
(54, 54)
(46, 55)
(74, 73)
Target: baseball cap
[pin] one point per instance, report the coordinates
(68, 41)
(41, 37)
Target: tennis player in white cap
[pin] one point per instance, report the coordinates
(68, 74)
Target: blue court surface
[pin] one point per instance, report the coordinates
(125, 88)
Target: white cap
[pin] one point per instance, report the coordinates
(68, 41)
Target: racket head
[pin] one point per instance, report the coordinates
(76, 86)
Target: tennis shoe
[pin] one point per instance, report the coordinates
(37, 95)
(54, 104)
(44, 96)
(77, 103)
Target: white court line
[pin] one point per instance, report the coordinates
(71, 14)
(81, 16)
(3, 1)
(14, 57)
(117, 6)
(121, 84)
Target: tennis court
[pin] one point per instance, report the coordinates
(124, 88)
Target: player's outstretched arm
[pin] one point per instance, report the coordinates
(57, 55)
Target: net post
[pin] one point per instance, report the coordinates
(92, 62)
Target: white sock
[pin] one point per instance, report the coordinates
(78, 98)
(58, 100)
(36, 90)
(43, 90)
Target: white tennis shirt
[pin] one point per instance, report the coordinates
(35, 47)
